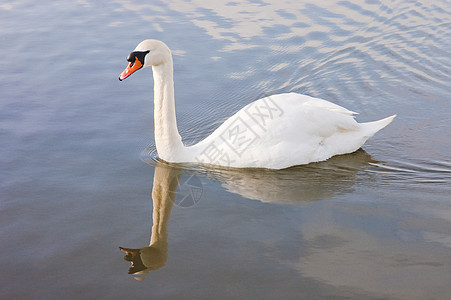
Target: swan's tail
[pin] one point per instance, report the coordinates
(373, 127)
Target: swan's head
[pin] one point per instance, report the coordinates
(147, 53)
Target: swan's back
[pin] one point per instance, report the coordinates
(284, 130)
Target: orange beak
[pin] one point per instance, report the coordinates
(131, 68)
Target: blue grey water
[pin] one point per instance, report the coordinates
(78, 168)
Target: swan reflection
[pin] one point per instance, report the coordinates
(298, 184)
(294, 185)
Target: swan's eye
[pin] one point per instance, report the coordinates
(131, 57)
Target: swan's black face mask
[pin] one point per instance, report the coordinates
(136, 59)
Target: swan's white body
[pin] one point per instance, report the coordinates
(274, 132)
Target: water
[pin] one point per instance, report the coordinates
(77, 172)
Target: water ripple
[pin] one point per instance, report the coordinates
(376, 58)
(438, 172)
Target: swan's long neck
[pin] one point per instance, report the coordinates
(167, 138)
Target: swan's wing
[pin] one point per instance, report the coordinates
(326, 121)
(316, 102)
(315, 116)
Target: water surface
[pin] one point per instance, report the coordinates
(77, 172)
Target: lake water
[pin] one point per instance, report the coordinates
(77, 167)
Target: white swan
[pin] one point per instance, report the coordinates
(274, 132)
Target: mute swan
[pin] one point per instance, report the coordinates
(274, 132)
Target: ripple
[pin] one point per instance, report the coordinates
(436, 172)
(345, 42)
(377, 56)
(149, 155)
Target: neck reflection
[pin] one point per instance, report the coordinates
(154, 256)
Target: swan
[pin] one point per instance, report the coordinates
(274, 132)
